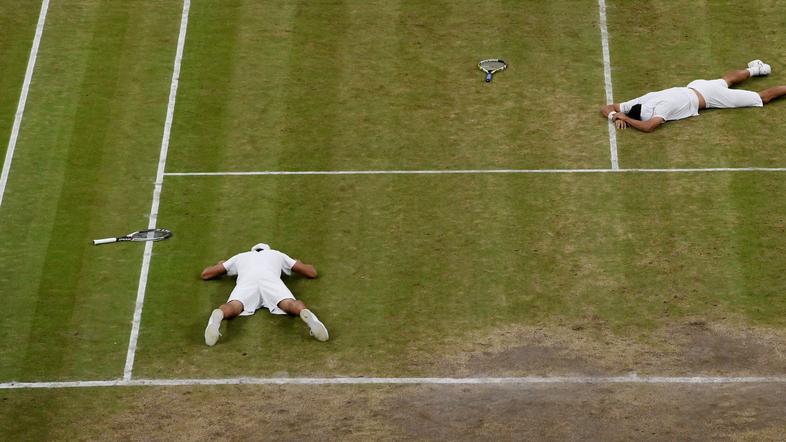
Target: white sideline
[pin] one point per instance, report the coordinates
(140, 295)
(20, 108)
(604, 40)
(525, 380)
(478, 171)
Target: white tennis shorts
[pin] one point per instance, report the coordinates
(266, 294)
(718, 95)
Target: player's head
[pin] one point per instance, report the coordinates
(260, 247)
(635, 112)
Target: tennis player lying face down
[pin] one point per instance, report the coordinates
(259, 285)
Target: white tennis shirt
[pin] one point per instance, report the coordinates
(252, 267)
(670, 104)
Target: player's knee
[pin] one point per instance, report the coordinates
(232, 309)
(292, 306)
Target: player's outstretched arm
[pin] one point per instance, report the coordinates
(644, 126)
(214, 271)
(306, 270)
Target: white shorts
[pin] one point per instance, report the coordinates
(718, 95)
(267, 294)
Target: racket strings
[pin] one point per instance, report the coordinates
(153, 234)
(492, 65)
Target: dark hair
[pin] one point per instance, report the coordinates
(635, 112)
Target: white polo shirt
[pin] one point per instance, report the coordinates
(251, 267)
(259, 281)
(670, 104)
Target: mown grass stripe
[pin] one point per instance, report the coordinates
(20, 110)
(140, 300)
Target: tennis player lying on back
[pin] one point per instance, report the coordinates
(649, 111)
(259, 285)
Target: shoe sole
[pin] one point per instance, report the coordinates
(317, 328)
(212, 330)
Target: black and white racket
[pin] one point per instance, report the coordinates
(142, 235)
(492, 66)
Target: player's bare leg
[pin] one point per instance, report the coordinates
(231, 309)
(755, 68)
(736, 76)
(292, 306)
(225, 311)
(772, 93)
(295, 307)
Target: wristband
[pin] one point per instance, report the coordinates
(611, 115)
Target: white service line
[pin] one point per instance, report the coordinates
(140, 294)
(20, 108)
(604, 40)
(525, 380)
(476, 171)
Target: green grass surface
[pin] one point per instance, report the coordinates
(408, 263)
(416, 262)
(388, 85)
(660, 45)
(413, 268)
(83, 169)
(18, 25)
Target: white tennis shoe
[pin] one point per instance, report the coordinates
(317, 328)
(758, 68)
(211, 332)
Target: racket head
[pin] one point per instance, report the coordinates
(492, 65)
(149, 235)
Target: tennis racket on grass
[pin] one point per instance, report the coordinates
(491, 66)
(142, 235)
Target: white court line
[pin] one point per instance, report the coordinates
(476, 171)
(170, 110)
(525, 380)
(604, 40)
(20, 108)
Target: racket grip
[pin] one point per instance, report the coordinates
(488, 78)
(103, 241)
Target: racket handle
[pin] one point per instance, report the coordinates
(103, 241)
(488, 78)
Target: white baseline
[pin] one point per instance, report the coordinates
(525, 380)
(20, 108)
(170, 111)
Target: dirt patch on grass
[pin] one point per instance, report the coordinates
(412, 412)
(583, 412)
(690, 347)
(565, 411)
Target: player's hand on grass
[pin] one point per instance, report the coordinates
(620, 123)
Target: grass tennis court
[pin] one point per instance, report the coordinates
(422, 275)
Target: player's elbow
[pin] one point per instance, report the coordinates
(206, 274)
(310, 272)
